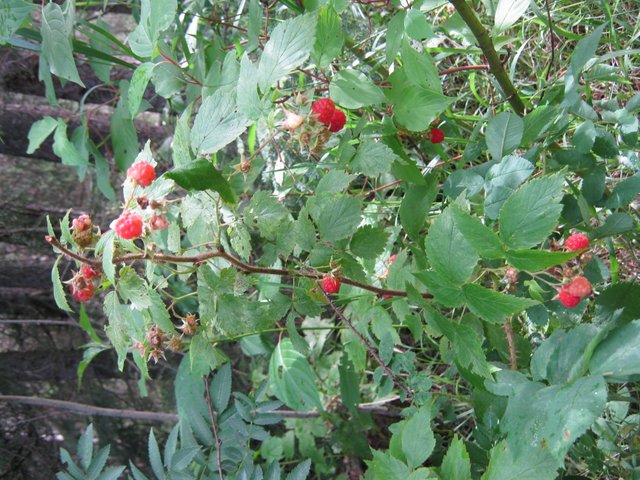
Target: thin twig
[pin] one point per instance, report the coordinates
(462, 69)
(367, 345)
(513, 351)
(90, 410)
(553, 40)
(203, 257)
(27, 321)
(215, 427)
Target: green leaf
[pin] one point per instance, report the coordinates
(94, 471)
(619, 296)
(138, 85)
(616, 223)
(417, 438)
(387, 467)
(266, 212)
(202, 175)
(292, 379)
(420, 68)
(56, 44)
(133, 289)
(415, 207)
(493, 306)
(501, 181)
(154, 456)
(503, 135)
(247, 91)
(552, 417)
(217, 123)
(624, 192)
(531, 213)
(565, 355)
(349, 384)
(369, 242)
(538, 121)
(416, 25)
(124, 137)
(39, 132)
(12, 14)
(202, 355)
(443, 290)
(584, 136)
(58, 290)
(120, 319)
(65, 149)
(483, 239)
(85, 447)
(619, 354)
(538, 464)
(329, 37)
(338, 217)
(537, 260)
(353, 89)
(221, 388)
(456, 464)
(106, 246)
(509, 12)
(394, 35)
(301, 472)
(288, 47)
(448, 252)
(373, 158)
(155, 17)
(585, 50)
(465, 342)
(335, 181)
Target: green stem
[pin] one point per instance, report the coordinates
(486, 45)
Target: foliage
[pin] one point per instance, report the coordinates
(450, 255)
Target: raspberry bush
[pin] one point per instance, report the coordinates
(386, 298)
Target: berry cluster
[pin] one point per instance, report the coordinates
(326, 112)
(571, 294)
(128, 226)
(82, 230)
(576, 242)
(436, 135)
(81, 285)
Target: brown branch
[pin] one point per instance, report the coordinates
(513, 351)
(245, 267)
(462, 69)
(214, 425)
(90, 410)
(372, 351)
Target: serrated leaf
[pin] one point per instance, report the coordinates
(334, 181)
(58, 289)
(387, 467)
(133, 289)
(537, 260)
(503, 135)
(353, 89)
(585, 50)
(584, 136)
(456, 464)
(616, 223)
(301, 471)
(217, 123)
(292, 379)
(493, 306)
(85, 447)
(443, 290)
(373, 158)
(112, 473)
(624, 192)
(369, 241)
(448, 252)
(40, 130)
(202, 175)
(138, 85)
(538, 464)
(415, 207)
(124, 137)
(117, 330)
(155, 17)
(56, 44)
(417, 437)
(329, 37)
(552, 417)
(501, 181)
(247, 90)
(97, 465)
(416, 107)
(288, 47)
(619, 354)
(221, 388)
(338, 217)
(12, 14)
(65, 149)
(482, 238)
(202, 355)
(531, 213)
(154, 456)
(509, 12)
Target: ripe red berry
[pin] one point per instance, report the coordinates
(142, 173)
(324, 109)
(579, 287)
(577, 241)
(338, 119)
(392, 258)
(331, 284)
(128, 226)
(81, 289)
(436, 135)
(82, 223)
(88, 272)
(567, 299)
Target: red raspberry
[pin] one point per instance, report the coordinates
(338, 119)
(81, 289)
(82, 223)
(392, 258)
(324, 110)
(88, 272)
(577, 241)
(579, 287)
(436, 135)
(142, 173)
(128, 226)
(331, 284)
(567, 299)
